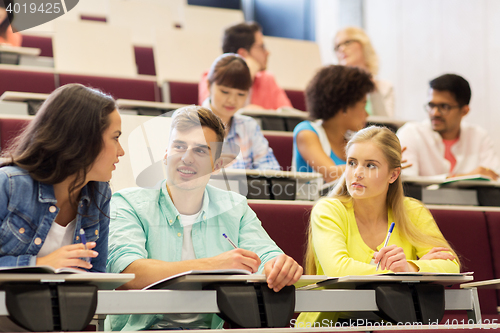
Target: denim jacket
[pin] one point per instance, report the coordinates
(27, 211)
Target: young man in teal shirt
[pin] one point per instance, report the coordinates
(157, 233)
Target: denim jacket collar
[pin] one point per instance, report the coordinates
(46, 193)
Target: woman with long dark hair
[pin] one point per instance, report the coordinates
(54, 185)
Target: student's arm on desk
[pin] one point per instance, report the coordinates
(310, 148)
(430, 260)
(330, 226)
(148, 271)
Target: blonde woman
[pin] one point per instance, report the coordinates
(353, 48)
(348, 229)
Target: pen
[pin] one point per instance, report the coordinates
(84, 242)
(230, 241)
(387, 240)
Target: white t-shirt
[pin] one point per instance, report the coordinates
(187, 222)
(57, 237)
(185, 320)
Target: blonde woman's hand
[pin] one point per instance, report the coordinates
(393, 258)
(438, 253)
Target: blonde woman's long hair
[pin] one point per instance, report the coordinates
(371, 58)
(389, 144)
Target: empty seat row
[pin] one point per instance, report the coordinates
(15, 79)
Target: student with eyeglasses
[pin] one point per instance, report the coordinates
(444, 145)
(353, 48)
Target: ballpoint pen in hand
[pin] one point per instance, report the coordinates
(387, 240)
(230, 241)
(84, 242)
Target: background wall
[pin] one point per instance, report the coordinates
(419, 40)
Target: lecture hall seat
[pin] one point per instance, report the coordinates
(282, 146)
(297, 99)
(39, 42)
(124, 88)
(467, 232)
(493, 219)
(145, 61)
(183, 92)
(9, 129)
(26, 81)
(286, 224)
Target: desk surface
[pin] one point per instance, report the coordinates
(131, 104)
(106, 281)
(487, 284)
(30, 51)
(17, 96)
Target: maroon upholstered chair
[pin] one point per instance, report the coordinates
(493, 220)
(282, 146)
(287, 225)
(297, 98)
(9, 129)
(467, 233)
(26, 81)
(144, 58)
(183, 92)
(125, 88)
(39, 42)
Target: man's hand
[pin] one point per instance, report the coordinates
(438, 253)
(237, 259)
(404, 163)
(483, 171)
(393, 258)
(282, 271)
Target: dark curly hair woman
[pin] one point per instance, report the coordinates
(335, 99)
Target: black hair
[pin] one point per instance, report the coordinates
(230, 70)
(239, 36)
(335, 88)
(456, 85)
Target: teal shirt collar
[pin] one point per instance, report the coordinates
(168, 208)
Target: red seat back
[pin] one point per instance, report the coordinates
(493, 220)
(26, 81)
(282, 146)
(39, 42)
(145, 61)
(9, 129)
(297, 98)
(125, 88)
(183, 92)
(287, 225)
(467, 233)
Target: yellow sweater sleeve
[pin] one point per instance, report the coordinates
(330, 235)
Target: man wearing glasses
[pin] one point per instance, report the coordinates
(444, 145)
